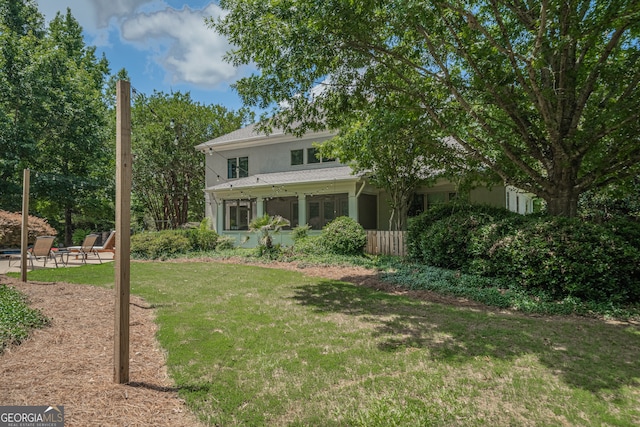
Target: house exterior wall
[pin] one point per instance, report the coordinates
(263, 158)
(494, 196)
(518, 201)
(349, 194)
(442, 191)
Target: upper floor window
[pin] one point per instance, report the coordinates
(313, 155)
(237, 167)
(297, 157)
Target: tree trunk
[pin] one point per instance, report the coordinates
(563, 201)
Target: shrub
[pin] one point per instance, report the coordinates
(344, 236)
(202, 238)
(300, 232)
(78, 236)
(442, 236)
(309, 245)
(418, 241)
(160, 244)
(225, 243)
(568, 257)
(626, 229)
(563, 257)
(11, 229)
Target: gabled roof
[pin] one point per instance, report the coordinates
(250, 135)
(265, 180)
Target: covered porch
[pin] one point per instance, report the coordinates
(313, 197)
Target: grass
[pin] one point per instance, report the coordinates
(16, 318)
(254, 346)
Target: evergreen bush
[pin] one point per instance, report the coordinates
(564, 257)
(160, 244)
(344, 236)
(202, 238)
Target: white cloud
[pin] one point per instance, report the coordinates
(178, 41)
(189, 50)
(107, 9)
(95, 14)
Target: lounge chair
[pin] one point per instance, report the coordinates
(42, 249)
(86, 249)
(109, 245)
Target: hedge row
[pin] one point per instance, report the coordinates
(562, 256)
(167, 243)
(342, 236)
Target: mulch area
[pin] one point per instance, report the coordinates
(70, 362)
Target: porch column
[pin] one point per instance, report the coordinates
(302, 209)
(259, 207)
(220, 216)
(353, 205)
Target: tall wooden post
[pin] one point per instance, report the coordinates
(123, 227)
(24, 242)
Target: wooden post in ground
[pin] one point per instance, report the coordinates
(24, 242)
(123, 227)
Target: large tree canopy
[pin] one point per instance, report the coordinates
(52, 116)
(543, 92)
(21, 32)
(168, 173)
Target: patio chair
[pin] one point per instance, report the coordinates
(109, 244)
(42, 249)
(86, 249)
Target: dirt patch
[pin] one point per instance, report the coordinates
(70, 362)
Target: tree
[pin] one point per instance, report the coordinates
(168, 173)
(544, 92)
(22, 32)
(52, 116)
(72, 152)
(391, 143)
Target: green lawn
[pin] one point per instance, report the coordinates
(256, 346)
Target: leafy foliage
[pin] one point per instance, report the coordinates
(168, 174)
(11, 229)
(343, 236)
(160, 244)
(543, 93)
(16, 318)
(413, 159)
(52, 117)
(263, 227)
(203, 238)
(561, 256)
(300, 232)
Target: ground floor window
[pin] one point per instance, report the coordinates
(286, 207)
(321, 210)
(238, 214)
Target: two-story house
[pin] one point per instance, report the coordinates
(249, 173)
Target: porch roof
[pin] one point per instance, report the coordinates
(307, 176)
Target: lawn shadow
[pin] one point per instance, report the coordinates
(587, 353)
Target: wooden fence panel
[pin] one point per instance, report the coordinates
(386, 243)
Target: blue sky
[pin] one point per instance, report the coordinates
(164, 44)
